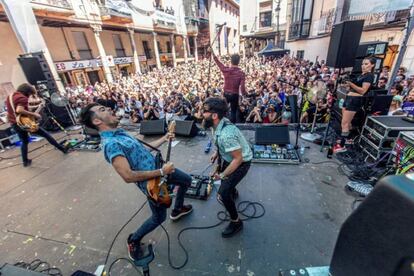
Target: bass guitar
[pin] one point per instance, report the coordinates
(157, 187)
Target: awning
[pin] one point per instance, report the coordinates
(271, 50)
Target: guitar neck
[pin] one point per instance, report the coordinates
(168, 151)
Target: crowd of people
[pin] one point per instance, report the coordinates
(180, 92)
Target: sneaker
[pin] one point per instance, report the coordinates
(27, 163)
(232, 229)
(135, 250)
(337, 148)
(185, 210)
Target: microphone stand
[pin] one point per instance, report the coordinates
(211, 53)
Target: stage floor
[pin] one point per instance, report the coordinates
(66, 209)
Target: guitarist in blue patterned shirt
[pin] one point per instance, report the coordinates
(135, 164)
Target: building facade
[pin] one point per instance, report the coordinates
(262, 21)
(85, 41)
(310, 23)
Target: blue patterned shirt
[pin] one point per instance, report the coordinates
(229, 138)
(119, 143)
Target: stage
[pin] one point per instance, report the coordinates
(66, 210)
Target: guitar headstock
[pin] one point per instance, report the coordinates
(171, 127)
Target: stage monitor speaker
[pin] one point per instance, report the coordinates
(186, 128)
(293, 103)
(32, 69)
(275, 134)
(344, 43)
(153, 127)
(379, 235)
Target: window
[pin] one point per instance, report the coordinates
(82, 45)
(265, 19)
(216, 3)
(159, 47)
(119, 48)
(300, 54)
(244, 28)
(169, 47)
(301, 14)
(225, 7)
(147, 50)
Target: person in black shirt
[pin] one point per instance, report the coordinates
(354, 100)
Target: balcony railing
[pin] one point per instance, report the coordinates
(63, 4)
(382, 18)
(163, 19)
(326, 22)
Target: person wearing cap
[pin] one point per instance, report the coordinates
(395, 107)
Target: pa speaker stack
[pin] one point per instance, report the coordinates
(344, 43)
(36, 70)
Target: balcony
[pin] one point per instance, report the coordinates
(164, 20)
(62, 4)
(192, 27)
(116, 12)
(380, 20)
(326, 22)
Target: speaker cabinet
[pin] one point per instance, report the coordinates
(344, 43)
(36, 70)
(379, 235)
(153, 127)
(186, 128)
(274, 134)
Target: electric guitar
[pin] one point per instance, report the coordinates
(157, 187)
(26, 122)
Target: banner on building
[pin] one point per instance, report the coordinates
(92, 63)
(377, 6)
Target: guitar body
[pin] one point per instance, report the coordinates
(27, 123)
(157, 187)
(158, 191)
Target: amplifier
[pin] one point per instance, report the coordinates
(275, 154)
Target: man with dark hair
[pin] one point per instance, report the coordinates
(234, 156)
(135, 164)
(234, 83)
(18, 104)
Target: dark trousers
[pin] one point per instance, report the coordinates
(159, 213)
(228, 186)
(24, 138)
(233, 100)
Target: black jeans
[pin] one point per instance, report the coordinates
(228, 186)
(24, 138)
(233, 100)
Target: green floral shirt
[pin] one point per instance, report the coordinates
(229, 138)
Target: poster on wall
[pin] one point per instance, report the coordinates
(377, 6)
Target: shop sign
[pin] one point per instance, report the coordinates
(123, 60)
(142, 58)
(83, 64)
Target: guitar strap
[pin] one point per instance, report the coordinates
(219, 158)
(159, 161)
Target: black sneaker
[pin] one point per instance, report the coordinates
(232, 229)
(27, 163)
(135, 250)
(185, 210)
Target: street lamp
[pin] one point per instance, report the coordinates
(277, 13)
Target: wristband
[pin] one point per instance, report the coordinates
(222, 176)
(161, 172)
